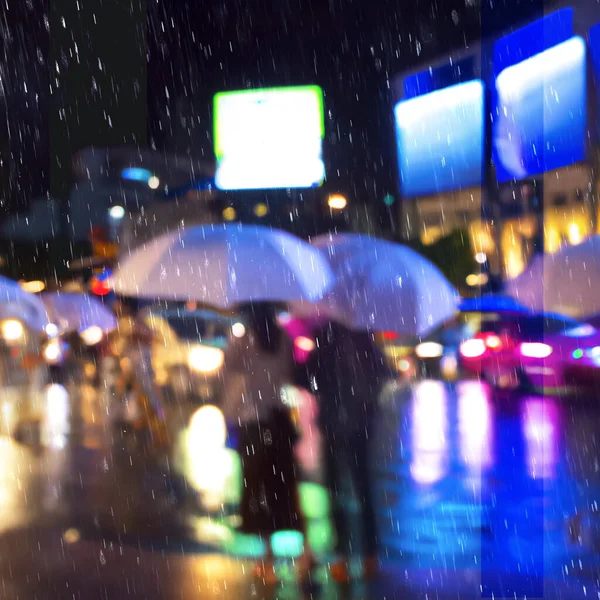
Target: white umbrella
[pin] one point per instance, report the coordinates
(224, 265)
(567, 282)
(383, 286)
(77, 312)
(16, 303)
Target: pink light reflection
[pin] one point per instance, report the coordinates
(475, 425)
(308, 449)
(541, 421)
(299, 330)
(429, 432)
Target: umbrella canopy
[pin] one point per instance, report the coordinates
(383, 286)
(77, 312)
(492, 303)
(567, 282)
(225, 265)
(15, 303)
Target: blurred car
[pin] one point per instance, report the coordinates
(188, 353)
(436, 356)
(541, 352)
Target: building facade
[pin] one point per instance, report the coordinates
(501, 141)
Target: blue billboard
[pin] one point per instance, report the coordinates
(595, 52)
(540, 115)
(440, 139)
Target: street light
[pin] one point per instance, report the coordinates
(337, 202)
(229, 213)
(116, 212)
(261, 209)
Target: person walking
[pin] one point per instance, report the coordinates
(347, 373)
(258, 364)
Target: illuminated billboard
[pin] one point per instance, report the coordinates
(269, 138)
(595, 52)
(440, 139)
(540, 115)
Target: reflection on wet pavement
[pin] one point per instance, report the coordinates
(491, 484)
(477, 492)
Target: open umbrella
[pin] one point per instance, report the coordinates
(382, 286)
(77, 312)
(16, 303)
(567, 282)
(225, 265)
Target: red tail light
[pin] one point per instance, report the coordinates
(481, 343)
(100, 288)
(492, 341)
(389, 336)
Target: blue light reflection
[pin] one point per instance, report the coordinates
(136, 174)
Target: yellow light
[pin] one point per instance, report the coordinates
(204, 359)
(449, 367)
(475, 279)
(229, 213)
(305, 344)
(33, 287)
(575, 236)
(71, 536)
(261, 209)
(553, 239)
(430, 235)
(337, 202)
(153, 182)
(89, 370)
(12, 330)
(53, 352)
(208, 462)
(92, 335)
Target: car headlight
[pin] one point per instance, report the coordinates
(204, 359)
(92, 335)
(12, 330)
(429, 350)
(54, 352)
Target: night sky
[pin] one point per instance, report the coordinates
(76, 73)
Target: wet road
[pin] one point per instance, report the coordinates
(478, 495)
